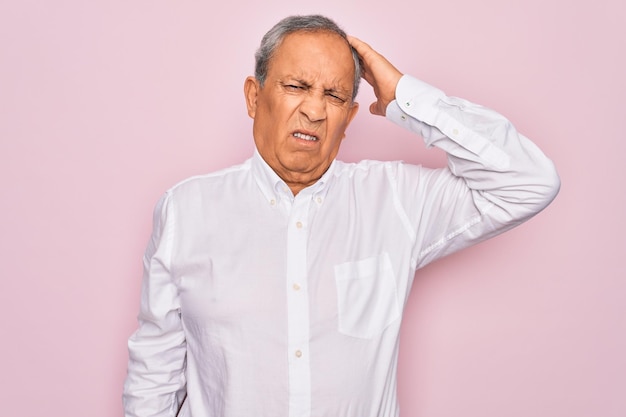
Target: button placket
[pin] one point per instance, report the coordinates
(298, 306)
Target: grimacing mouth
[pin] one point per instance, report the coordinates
(305, 136)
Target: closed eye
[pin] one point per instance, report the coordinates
(293, 87)
(336, 97)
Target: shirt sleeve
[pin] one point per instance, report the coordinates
(496, 178)
(155, 384)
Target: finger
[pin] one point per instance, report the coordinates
(356, 42)
(362, 48)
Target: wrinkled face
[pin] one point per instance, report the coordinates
(303, 109)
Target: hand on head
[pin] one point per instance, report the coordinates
(379, 73)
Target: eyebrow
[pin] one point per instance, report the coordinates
(301, 81)
(337, 91)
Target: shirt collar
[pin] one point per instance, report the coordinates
(274, 188)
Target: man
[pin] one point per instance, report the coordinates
(276, 287)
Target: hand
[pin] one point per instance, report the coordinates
(379, 73)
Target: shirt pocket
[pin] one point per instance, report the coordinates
(367, 296)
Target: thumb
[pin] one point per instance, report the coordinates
(375, 109)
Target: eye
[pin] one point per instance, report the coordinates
(293, 87)
(336, 97)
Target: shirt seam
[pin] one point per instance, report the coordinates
(454, 233)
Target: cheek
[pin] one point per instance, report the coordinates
(333, 145)
(339, 125)
(265, 119)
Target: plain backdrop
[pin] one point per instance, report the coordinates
(106, 104)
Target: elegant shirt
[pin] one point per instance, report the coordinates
(258, 303)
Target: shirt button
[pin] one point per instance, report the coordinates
(319, 200)
(272, 202)
(455, 131)
(403, 117)
(299, 225)
(296, 287)
(408, 104)
(298, 353)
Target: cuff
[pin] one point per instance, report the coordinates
(414, 98)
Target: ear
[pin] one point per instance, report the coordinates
(251, 89)
(354, 109)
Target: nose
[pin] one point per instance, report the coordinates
(313, 106)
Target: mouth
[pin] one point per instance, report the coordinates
(306, 137)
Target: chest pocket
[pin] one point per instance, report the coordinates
(367, 296)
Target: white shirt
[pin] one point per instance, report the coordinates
(256, 303)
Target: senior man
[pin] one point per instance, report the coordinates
(276, 287)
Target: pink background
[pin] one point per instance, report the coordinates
(105, 104)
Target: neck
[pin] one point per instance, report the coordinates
(296, 187)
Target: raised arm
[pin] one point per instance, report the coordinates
(496, 178)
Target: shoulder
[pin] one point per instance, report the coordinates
(343, 169)
(217, 181)
(211, 180)
(369, 169)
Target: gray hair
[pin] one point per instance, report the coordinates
(311, 23)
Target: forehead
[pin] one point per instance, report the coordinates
(313, 54)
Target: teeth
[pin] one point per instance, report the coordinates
(303, 136)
